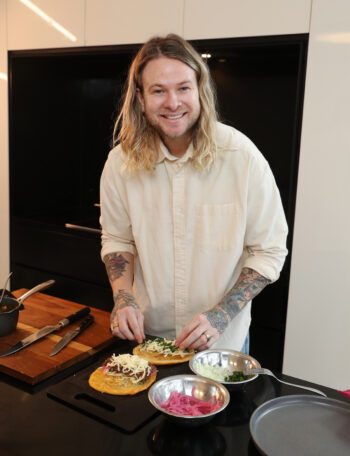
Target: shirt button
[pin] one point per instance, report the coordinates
(179, 209)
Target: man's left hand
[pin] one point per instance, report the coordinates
(198, 334)
(206, 328)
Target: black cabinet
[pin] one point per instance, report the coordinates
(40, 252)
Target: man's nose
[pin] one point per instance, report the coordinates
(172, 101)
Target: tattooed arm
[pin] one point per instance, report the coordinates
(215, 321)
(126, 317)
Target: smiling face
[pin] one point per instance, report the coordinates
(170, 101)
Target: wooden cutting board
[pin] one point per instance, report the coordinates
(33, 363)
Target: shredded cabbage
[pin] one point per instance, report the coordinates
(214, 372)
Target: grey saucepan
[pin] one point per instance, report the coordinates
(10, 307)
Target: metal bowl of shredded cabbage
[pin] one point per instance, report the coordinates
(224, 366)
(188, 399)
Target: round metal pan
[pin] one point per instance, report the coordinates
(302, 425)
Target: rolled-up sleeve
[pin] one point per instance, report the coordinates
(267, 229)
(115, 222)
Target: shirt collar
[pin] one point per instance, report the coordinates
(164, 154)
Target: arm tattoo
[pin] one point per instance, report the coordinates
(123, 299)
(248, 285)
(115, 265)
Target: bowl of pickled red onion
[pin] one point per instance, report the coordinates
(189, 399)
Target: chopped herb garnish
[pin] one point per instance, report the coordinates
(236, 376)
(166, 344)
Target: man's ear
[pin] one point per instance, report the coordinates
(140, 98)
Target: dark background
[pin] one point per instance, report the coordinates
(63, 104)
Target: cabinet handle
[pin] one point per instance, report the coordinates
(82, 228)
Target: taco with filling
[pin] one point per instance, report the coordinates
(162, 351)
(123, 375)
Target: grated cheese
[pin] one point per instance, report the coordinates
(130, 363)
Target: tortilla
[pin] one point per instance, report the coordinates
(120, 385)
(158, 358)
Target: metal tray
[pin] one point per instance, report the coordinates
(303, 425)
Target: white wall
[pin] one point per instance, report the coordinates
(318, 335)
(4, 180)
(52, 23)
(131, 21)
(318, 311)
(241, 18)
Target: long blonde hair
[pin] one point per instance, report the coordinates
(139, 140)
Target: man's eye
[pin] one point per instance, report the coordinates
(158, 91)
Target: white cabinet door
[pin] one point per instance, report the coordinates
(131, 21)
(318, 304)
(38, 24)
(241, 18)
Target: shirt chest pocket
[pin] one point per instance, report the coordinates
(219, 227)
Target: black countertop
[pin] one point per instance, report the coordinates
(31, 423)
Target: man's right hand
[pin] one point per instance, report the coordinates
(127, 318)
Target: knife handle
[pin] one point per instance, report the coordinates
(77, 316)
(86, 322)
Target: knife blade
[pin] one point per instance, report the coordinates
(45, 331)
(70, 335)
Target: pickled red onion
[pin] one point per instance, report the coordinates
(182, 404)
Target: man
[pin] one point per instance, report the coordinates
(192, 222)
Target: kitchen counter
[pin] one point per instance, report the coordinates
(31, 423)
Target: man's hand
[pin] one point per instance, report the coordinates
(198, 334)
(206, 328)
(127, 318)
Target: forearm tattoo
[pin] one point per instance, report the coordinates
(248, 285)
(115, 266)
(123, 299)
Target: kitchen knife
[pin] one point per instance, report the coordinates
(70, 335)
(46, 331)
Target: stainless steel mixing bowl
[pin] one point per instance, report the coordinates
(191, 385)
(227, 359)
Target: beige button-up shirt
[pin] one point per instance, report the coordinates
(192, 232)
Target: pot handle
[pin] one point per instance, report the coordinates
(41, 286)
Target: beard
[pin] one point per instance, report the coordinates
(187, 132)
